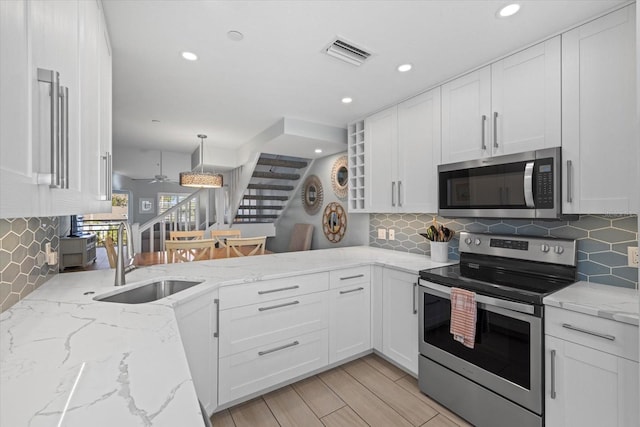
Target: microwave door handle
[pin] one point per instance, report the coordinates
(528, 185)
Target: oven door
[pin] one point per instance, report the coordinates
(507, 354)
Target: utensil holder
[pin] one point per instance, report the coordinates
(440, 251)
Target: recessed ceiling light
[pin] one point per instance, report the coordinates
(190, 56)
(509, 10)
(234, 35)
(318, 151)
(404, 68)
(347, 100)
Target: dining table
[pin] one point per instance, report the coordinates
(160, 257)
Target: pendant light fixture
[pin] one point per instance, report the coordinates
(201, 179)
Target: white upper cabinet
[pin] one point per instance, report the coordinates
(50, 141)
(525, 100)
(466, 107)
(16, 178)
(511, 106)
(419, 152)
(381, 141)
(600, 137)
(402, 154)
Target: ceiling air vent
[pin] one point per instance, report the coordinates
(347, 52)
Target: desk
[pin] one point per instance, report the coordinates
(160, 257)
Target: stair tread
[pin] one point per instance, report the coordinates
(293, 164)
(262, 207)
(277, 175)
(270, 187)
(259, 197)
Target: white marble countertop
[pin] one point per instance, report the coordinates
(66, 359)
(604, 301)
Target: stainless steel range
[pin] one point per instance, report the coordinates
(500, 381)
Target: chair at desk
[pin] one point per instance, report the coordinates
(222, 235)
(189, 250)
(111, 251)
(235, 246)
(301, 237)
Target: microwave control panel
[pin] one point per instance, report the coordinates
(544, 183)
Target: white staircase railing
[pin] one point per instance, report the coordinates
(203, 200)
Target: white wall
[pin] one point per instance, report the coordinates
(357, 224)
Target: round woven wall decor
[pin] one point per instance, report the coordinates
(334, 222)
(312, 194)
(340, 177)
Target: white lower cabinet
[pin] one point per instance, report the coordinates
(259, 368)
(400, 318)
(197, 324)
(349, 313)
(588, 381)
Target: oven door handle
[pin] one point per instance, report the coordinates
(445, 292)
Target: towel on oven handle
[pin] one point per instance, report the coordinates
(463, 316)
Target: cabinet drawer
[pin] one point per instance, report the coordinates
(620, 339)
(349, 276)
(256, 369)
(243, 328)
(269, 290)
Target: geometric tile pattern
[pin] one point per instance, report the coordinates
(602, 239)
(22, 267)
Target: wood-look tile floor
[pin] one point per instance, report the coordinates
(366, 392)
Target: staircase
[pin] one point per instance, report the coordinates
(273, 183)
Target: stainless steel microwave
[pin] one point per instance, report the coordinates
(523, 185)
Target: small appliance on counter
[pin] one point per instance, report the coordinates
(497, 380)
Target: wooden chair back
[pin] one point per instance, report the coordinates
(234, 246)
(222, 235)
(186, 235)
(111, 251)
(189, 250)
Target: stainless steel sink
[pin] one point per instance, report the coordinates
(150, 292)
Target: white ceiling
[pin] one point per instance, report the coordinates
(238, 89)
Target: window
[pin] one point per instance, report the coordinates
(186, 213)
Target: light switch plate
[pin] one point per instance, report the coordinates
(392, 234)
(632, 255)
(382, 233)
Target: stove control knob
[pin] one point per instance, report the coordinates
(544, 248)
(468, 240)
(558, 249)
(477, 242)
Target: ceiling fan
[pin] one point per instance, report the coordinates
(161, 177)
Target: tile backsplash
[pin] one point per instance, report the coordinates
(22, 269)
(602, 239)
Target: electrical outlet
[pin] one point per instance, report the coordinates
(392, 234)
(632, 255)
(382, 233)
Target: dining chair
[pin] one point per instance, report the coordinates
(186, 235)
(255, 246)
(222, 235)
(189, 250)
(301, 237)
(111, 251)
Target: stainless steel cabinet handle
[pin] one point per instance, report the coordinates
(282, 347)
(270, 291)
(286, 304)
(484, 123)
(586, 331)
(569, 181)
(399, 193)
(53, 78)
(216, 334)
(352, 277)
(415, 309)
(495, 129)
(107, 176)
(351, 290)
(553, 374)
(110, 176)
(64, 143)
(393, 193)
